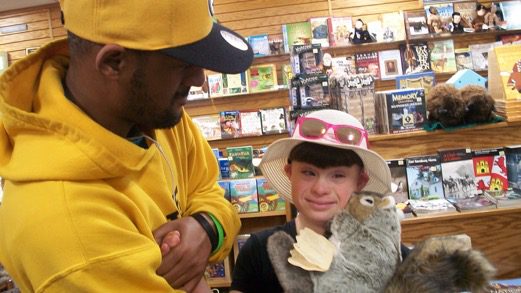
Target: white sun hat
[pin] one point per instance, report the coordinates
(276, 156)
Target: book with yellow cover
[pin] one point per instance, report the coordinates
(504, 72)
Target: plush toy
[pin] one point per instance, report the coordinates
(445, 105)
(434, 21)
(361, 35)
(492, 19)
(457, 23)
(479, 104)
(367, 235)
(478, 23)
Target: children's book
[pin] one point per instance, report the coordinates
(490, 170)
(511, 12)
(313, 91)
(468, 13)
(424, 179)
(442, 56)
(480, 54)
(262, 78)
(215, 85)
(238, 243)
(198, 92)
(319, 31)
(439, 16)
(297, 33)
(276, 44)
(513, 159)
(250, 123)
(234, 84)
(458, 174)
(258, 154)
(260, 45)
(398, 180)
(393, 26)
(431, 206)
(340, 29)
(505, 72)
(415, 57)
(218, 273)
(230, 124)
(344, 64)
(269, 199)
(210, 125)
(273, 120)
(402, 110)
(416, 23)
(463, 59)
(474, 202)
(367, 63)
(225, 185)
(243, 194)
(390, 64)
(241, 164)
(425, 80)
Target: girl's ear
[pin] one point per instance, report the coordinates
(287, 170)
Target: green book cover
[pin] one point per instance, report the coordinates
(297, 33)
(241, 162)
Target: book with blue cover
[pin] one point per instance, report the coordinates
(401, 110)
(243, 194)
(425, 80)
(424, 179)
(260, 45)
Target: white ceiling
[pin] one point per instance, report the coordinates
(6, 5)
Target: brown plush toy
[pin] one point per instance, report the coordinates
(479, 104)
(445, 105)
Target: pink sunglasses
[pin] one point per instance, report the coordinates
(314, 128)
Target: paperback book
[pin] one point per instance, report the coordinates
(243, 193)
(479, 53)
(319, 31)
(250, 123)
(463, 59)
(215, 85)
(234, 84)
(443, 58)
(390, 64)
(416, 23)
(468, 13)
(297, 33)
(415, 57)
(490, 170)
(209, 125)
(241, 162)
(260, 45)
(262, 78)
(433, 206)
(474, 202)
(273, 120)
(425, 80)
(276, 44)
(401, 110)
(344, 64)
(393, 26)
(269, 199)
(219, 272)
(424, 179)
(340, 29)
(439, 16)
(367, 63)
(398, 180)
(230, 124)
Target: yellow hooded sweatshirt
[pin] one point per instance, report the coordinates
(80, 203)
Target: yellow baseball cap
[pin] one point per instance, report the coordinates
(183, 29)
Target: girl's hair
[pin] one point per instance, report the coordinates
(324, 156)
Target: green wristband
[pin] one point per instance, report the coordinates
(220, 233)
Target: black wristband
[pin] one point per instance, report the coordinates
(214, 241)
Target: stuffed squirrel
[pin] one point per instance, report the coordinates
(367, 235)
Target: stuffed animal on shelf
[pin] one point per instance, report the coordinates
(445, 105)
(478, 23)
(456, 25)
(361, 35)
(479, 104)
(367, 236)
(491, 19)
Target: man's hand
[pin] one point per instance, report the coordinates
(185, 248)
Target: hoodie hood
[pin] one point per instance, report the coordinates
(40, 127)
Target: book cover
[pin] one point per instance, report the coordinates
(238, 243)
(209, 125)
(425, 80)
(234, 84)
(243, 194)
(490, 169)
(241, 162)
(306, 59)
(225, 185)
(439, 16)
(224, 168)
(442, 56)
(287, 74)
(405, 110)
(398, 180)
(250, 123)
(479, 53)
(269, 199)
(424, 180)
(415, 57)
(345, 64)
(313, 90)
(474, 202)
(463, 59)
(319, 31)
(218, 273)
(260, 45)
(368, 63)
(390, 64)
(416, 23)
(468, 13)
(457, 174)
(215, 85)
(510, 39)
(297, 33)
(276, 44)
(431, 206)
(273, 120)
(258, 154)
(375, 29)
(262, 78)
(355, 95)
(505, 72)
(513, 159)
(393, 26)
(340, 29)
(230, 124)
(511, 12)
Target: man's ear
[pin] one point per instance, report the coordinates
(287, 170)
(362, 180)
(111, 59)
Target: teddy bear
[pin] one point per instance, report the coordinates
(445, 105)
(367, 236)
(480, 106)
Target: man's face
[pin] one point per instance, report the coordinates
(158, 90)
(319, 194)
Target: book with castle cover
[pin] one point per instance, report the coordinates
(424, 179)
(399, 188)
(241, 162)
(390, 64)
(416, 23)
(269, 199)
(297, 33)
(340, 29)
(442, 56)
(230, 124)
(273, 120)
(505, 72)
(401, 110)
(250, 123)
(415, 57)
(262, 77)
(215, 85)
(210, 125)
(457, 174)
(243, 194)
(463, 59)
(260, 45)
(367, 63)
(319, 31)
(425, 80)
(490, 170)
(393, 26)
(234, 84)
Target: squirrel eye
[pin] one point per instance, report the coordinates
(367, 201)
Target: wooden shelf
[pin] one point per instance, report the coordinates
(496, 233)
(262, 214)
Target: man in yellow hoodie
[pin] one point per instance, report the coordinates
(99, 159)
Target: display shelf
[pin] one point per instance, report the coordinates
(219, 284)
(461, 36)
(262, 214)
(495, 232)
